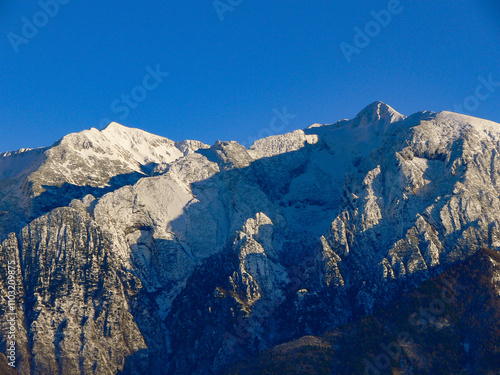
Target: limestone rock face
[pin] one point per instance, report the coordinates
(280, 144)
(135, 254)
(72, 305)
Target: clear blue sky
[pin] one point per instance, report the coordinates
(227, 77)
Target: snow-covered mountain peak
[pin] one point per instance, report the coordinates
(374, 120)
(115, 125)
(119, 131)
(118, 142)
(377, 113)
(128, 136)
(91, 161)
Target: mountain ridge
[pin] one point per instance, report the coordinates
(184, 257)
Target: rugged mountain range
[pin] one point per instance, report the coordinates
(134, 254)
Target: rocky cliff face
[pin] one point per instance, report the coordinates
(448, 325)
(135, 254)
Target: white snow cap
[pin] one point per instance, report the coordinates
(377, 113)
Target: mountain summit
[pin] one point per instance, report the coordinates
(135, 254)
(377, 113)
